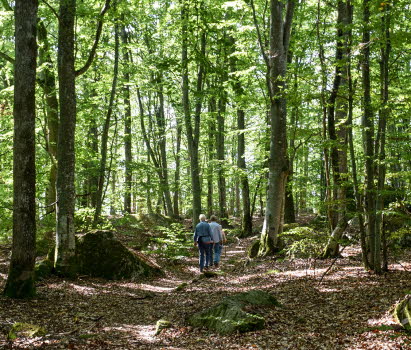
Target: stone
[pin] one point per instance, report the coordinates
(162, 324)
(99, 254)
(229, 316)
(43, 269)
(25, 330)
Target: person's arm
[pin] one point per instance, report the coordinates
(210, 233)
(195, 237)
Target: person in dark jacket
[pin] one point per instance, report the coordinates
(203, 238)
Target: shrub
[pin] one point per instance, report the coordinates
(303, 242)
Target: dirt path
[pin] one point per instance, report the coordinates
(349, 310)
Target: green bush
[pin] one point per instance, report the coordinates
(174, 242)
(83, 220)
(303, 242)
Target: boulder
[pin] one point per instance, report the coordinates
(43, 269)
(229, 316)
(25, 330)
(99, 254)
(252, 250)
(402, 313)
(162, 324)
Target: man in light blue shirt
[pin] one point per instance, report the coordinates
(203, 238)
(218, 239)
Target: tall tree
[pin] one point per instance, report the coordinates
(281, 15)
(20, 281)
(193, 133)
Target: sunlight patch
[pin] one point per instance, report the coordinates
(142, 333)
(83, 290)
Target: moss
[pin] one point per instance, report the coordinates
(181, 286)
(402, 313)
(288, 227)
(43, 269)
(229, 317)
(162, 324)
(99, 254)
(252, 250)
(25, 330)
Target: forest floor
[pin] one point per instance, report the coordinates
(345, 309)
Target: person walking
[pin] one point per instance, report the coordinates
(218, 239)
(204, 240)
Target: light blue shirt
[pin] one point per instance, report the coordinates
(216, 231)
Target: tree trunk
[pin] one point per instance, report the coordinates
(280, 30)
(20, 280)
(368, 143)
(47, 81)
(104, 137)
(193, 135)
(337, 115)
(212, 108)
(65, 243)
(128, 156)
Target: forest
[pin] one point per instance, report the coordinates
(122, 122)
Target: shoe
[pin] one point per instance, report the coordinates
(216, 264)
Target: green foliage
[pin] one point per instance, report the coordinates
(303, 242)
(83, 218)
(174, 242)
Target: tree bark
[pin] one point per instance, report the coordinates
(104, 137)
(368, 143)
(193, 134)
(128, 156)
(65, 243)
(20, 280)
(280, 31)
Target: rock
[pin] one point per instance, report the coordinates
(162, 324)
(43, 269)
(402, 313)
(25, 330)
(99, 254)
(288, 227)
(252, 250)
(229, 316)
(181, 286)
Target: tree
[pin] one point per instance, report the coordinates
(281, 16)
(20, 281)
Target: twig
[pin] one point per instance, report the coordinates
(332, 264)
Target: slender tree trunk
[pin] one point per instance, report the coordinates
(368, 142)
(193, 135)
(104, 137)
(65, 242)
(128, 156)
(212, 109)
(176, 196)
(20, 280)
(337, 115)
(47, 81)
(384, 113)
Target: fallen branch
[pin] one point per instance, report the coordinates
(332, 264)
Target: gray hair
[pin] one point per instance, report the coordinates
(202, 217)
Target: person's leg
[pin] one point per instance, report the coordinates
(217, 253)
(201, 252)
(208, 262)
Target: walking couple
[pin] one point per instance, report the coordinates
(209, 237)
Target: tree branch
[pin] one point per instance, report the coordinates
(7, 57)
(259, 34)
(52, 9)
(96, 40)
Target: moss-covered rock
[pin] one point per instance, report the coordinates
(252, 250)
(99, 254)
(162, 324)
(290, 226)
(229, 316)
(402, 313)
(43, 269)
(25, 330)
